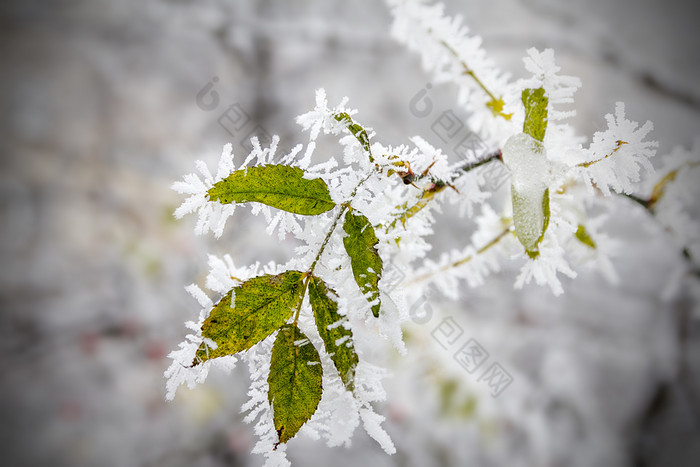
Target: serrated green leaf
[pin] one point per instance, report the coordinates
(583, 237)
(361, 246)
(337, 340)
(535, 103)
(294, 381)
(260, 306)
(280, 186)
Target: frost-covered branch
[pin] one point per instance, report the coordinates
(307, 327)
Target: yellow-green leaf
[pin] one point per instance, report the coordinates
(496, 106)
(337, 340)
(529, 194)
(530, 219)
(535, 103)
(260, 306)
(361, 245)
(357, 131)
(583, 237)
(280, 186)
(294, 381)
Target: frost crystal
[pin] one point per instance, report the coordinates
(212, 214)
(182, 370)
(617, 155)
(322, 118)
(545, 267)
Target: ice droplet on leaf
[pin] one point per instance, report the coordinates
(526, 159)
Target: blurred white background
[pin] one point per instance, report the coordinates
(99, 116)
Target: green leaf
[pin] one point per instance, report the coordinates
(583, 237)
(496, 106)
(294, 380)
(280, 186)
(361, 246)
(325, 307)
(357, 131)
(530, 218)
(260, 306)
(535, 103)
(531, 208)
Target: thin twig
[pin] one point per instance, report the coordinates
(590, 163)
(468, 70)
(464, 260)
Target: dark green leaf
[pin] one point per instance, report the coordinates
(261, 305)
(361, 245)
(280, 186)
(294, 380)
(535, 103)
(325, 307)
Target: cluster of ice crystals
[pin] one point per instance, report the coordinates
(258, 407)
(545, 267)
(559, 89)
(468, 263)
(374, 189)
(181, 370)
(212, 214)
(322, 119)
(617, 156)
(448, 51)
(386, 183)
(614, 160)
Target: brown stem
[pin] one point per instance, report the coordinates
(590, 163)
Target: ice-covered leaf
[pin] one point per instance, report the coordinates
(280, 186)
(535, 103)
(526, 159)
(361, 245)
(260, 306)
(294, 381)
(337, 340)
(525, 156)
